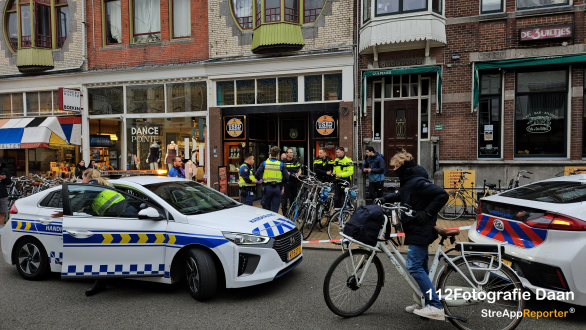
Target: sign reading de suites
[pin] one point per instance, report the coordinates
(546, 32)
(69, 100)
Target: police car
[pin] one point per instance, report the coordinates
(543, 227)
(162, 230)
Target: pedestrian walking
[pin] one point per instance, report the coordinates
(426, 199)
(343, 169)
(294, 169)
(322, 166)
(5, 181)
(273, 173)
(374, 165)
(79, 169)
(247, 181)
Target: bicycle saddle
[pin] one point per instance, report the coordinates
(446, 232)
(491, 185)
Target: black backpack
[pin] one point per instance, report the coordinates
(365, 224)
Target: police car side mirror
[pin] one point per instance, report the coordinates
(149, 213)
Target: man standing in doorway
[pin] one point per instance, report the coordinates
(374, 165)
(322, 166)
(5, 181)
(294, 170)
(247, 181)
(273, 173)
(343, 168)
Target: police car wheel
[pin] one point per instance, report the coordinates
(200, 274)
(31, 260)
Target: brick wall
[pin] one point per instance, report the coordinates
(165, 52)
(346, 124)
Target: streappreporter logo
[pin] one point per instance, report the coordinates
(511, 314)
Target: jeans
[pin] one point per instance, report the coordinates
(375, 190)
(418, 267)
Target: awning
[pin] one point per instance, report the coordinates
(522, 62)
(277, 35)
(40, 132)
(413, 70)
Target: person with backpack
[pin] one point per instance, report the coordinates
(374, 165)
(426, 199)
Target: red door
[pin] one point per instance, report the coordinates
(400, 129)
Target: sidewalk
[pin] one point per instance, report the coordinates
(322, 234)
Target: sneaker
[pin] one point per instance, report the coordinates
(431, 312)
(412, 308)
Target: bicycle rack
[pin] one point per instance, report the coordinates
(484, 250)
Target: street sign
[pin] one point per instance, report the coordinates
(439, 127)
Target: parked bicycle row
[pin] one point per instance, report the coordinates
(25, 186)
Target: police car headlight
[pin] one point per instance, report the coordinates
(245, 239)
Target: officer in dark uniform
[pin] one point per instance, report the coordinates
(247, 181)
(294, 170)
(322, 166)
(273, 174)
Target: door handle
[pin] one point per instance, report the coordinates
(80, 234)
(46, 221)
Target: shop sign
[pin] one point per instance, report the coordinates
(539, 122)
(439, 127)
(546, 32)
(145, 134)
(10, 146)
(100, 141)
(234, 127)
(223, 180)
(325, 125)
(69, 100)
(451, 178)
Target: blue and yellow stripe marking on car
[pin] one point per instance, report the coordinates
(128, 239)
(36, 227)
(275, 227)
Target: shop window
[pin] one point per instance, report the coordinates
(377, 121)
(313, 88)
(366, 10)
(187, 97)
(17, 104)
(272, 10)
(489, 116)
(147, 21)
(56, 104)
(182, 18)
(386, 7)
(292, 11)
(225, 92)
(332, 87)
(113, 22)
(267, 91)
(491, 6)
(32, 103)
(103, 101)
(145, 99)
(312, 10)
(242, 10)
(45, 103)
(529, 4)
(245, 92)
(540, 114)
(288, 90)
(5, 105)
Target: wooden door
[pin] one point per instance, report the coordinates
(400, 125)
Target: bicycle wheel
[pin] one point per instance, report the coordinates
(342, 293)
(500, 286)
(453, 209)
(308, 222)
(293, 212)
(333, 225)
(322, 215)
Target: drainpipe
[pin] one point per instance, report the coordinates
(9, 75)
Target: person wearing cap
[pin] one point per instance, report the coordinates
(5, 181)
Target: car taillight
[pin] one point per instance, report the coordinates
(13, 209)
(557, 222)
(479, 208)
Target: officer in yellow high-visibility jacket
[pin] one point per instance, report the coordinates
(273, 174)
(342, 169)
(109, 203)
(247, 181)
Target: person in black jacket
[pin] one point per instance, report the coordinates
(5, 181)
(79, 169)
(426, 199)
(322, 166)
(374, 165)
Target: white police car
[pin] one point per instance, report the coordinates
(163, 230)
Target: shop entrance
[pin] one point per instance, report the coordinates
(400, 129)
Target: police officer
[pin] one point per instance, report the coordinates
(322, 166)
(294, 170)
(247, 180)
(342, 170)
(273, 173)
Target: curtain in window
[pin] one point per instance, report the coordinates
(243, 12)
(147, 17)
(25, 20)
(181, 18)
(62, 14)
(113, 22)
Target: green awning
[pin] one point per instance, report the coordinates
(41, 57)
(413, 70)
(519, 63)
(273, 34)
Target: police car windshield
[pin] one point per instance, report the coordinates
(558, 192)
(191, 197)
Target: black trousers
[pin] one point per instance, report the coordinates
(375, 190)
(339, 195)
(289, 194)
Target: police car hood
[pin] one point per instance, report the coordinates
(244, 219)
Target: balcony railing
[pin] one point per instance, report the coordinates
(43, 41)
(61, 41)
(312, 14)
(25, 41)
(292, 15)
(245, 22)
(273, 14)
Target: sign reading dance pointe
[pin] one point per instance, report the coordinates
(546, 32)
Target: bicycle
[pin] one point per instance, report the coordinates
(335, 223)
(462, 198)
(352, 285)
(514, 183)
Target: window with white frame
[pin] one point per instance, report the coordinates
(11, 105)
(147, 21)
(530, 4)
(258, 91)
(491, 6)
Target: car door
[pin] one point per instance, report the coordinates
(50, 229)
(100, 241)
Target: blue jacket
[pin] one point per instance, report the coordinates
(378, 167)
(261, 169)
(176, 174)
